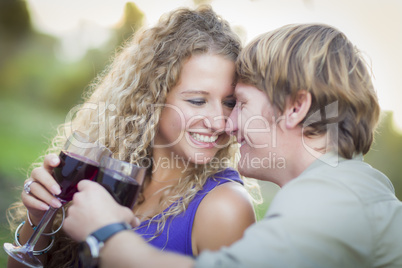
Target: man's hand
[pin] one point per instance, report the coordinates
(92, 208)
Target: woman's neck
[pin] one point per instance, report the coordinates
(166, 173)
(168, 168)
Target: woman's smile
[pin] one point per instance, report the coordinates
(203, 140)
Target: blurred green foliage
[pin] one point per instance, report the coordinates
(37, 89)
(386, 152)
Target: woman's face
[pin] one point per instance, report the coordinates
(192, 124)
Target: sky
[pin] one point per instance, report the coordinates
(374, 26)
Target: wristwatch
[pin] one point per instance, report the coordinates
(90, 248)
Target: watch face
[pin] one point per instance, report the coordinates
(84, 253)
(88, 252)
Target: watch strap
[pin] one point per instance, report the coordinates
(107, 231)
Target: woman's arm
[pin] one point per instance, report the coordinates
(37, 202)
(222, 217)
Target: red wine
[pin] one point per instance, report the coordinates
(123, 188)
(72, 169)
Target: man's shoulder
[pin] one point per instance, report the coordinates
(352, 176)
(351, 187)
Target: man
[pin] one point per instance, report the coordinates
(305, 114)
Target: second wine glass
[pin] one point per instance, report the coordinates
(121, 179)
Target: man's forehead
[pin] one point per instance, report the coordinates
(240, 90)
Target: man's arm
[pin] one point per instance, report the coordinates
(127, 249)
(93, 208)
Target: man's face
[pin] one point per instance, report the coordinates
(254, 124)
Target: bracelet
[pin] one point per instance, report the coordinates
(35, 252)
(53, 232)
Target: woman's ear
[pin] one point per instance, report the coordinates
(297, 110)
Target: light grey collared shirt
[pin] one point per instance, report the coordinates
(337, 213)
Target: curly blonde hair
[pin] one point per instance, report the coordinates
(124, 104)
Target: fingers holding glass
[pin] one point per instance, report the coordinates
(44, 175)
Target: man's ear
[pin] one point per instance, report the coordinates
(297, 110)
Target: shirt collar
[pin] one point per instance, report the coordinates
(332, 159)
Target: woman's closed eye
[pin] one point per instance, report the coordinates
(197, 102)
(231, 103)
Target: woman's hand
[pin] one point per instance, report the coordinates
(92, 208)
(42, 189)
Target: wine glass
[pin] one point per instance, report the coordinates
(79, 159)
(121, 179)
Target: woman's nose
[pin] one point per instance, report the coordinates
(216, 119)
(231, 127)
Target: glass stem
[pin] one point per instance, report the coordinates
(30, 244)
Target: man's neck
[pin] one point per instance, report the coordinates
(304, 153)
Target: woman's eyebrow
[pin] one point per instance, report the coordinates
(202, 92)
(199, 92)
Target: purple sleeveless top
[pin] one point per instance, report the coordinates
(176, 236)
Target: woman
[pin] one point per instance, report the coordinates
(163, 103)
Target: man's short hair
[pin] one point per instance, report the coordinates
(320, 59)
